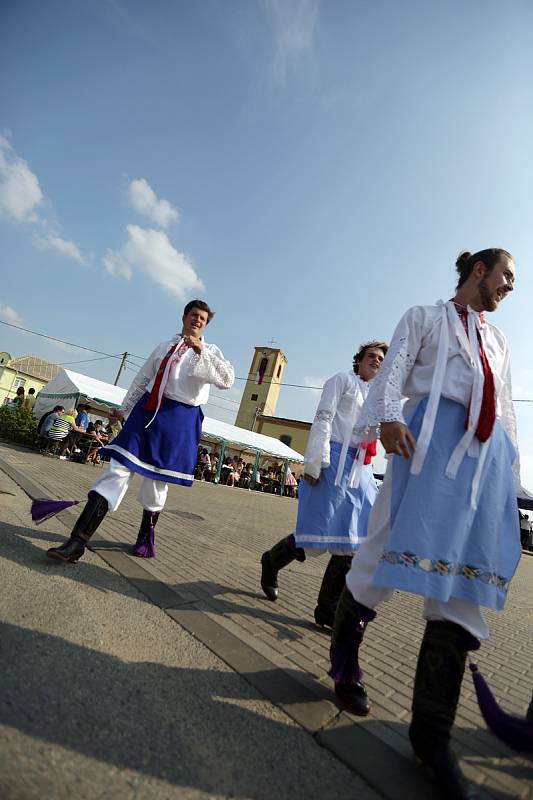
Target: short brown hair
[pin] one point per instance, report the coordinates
(358, 357)
(465, 263)
(202, 305)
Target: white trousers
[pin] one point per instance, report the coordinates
(114, 483)
(364, 564)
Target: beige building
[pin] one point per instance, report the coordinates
(259, 399)
(261, 390)
(29, 372)
(292, 432)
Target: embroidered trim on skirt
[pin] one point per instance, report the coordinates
(167, 450)
(335, 517)
(438, 546)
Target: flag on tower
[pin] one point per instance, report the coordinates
(261, 372)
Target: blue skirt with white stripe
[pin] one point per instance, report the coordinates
(167, 450)
(438, 546)
(334, 517)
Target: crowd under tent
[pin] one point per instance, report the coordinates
(71, 388)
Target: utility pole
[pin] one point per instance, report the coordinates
(124, 357)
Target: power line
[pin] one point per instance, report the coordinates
(143, 359)
(83, 361)
(293, 385)
(133, 364)
(55, 339)
(227, 399)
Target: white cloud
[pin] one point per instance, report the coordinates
(144, 200)
(293, 23)
(65, 348)
(314, 382)
(152, 252)
(116, 264)
(53, 242)
(20, 192)
(9, 314)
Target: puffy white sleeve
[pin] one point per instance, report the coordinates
(384, 400)
(138, 386)
(317, 453)
(210, 366)
(508, 415)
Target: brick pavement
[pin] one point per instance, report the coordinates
(209, 541)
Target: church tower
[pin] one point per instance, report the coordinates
(261, 390)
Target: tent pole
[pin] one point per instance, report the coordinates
(282, 487)
(220, 460)
(256, 466)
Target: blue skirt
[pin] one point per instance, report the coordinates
(167, 450)
(335, 517)
(438, 546)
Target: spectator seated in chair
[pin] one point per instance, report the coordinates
(235, 474)
(97, 439)
(44, 425)
(61, 427)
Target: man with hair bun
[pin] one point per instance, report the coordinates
(444, 525)
(160, 437)
(338, 488)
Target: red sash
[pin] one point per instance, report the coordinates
(487, 414)
(151, 403)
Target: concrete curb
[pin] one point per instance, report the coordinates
(302, 698)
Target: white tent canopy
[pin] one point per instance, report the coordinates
(223, 431)
(70, 388)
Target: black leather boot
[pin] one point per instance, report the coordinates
(438, 679)
(145, 545)
(90, 518)
(331, 589)
(351, 619)
(275, 559)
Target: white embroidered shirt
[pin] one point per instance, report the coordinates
(342, 398)
(189, 379)
(430, 355)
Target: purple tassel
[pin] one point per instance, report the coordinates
(42, 509)
(146, 548)
(515, 731)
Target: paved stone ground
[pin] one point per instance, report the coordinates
(104, 696)
(210, 539)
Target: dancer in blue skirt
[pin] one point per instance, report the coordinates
(160, 437)
(338, 490)
(444, 525)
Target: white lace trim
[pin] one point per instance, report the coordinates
(384, 401)
(134, 394)
(508, 420)
(210, 368)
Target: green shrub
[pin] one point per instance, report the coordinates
(18, 426)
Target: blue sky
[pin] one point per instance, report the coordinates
(310, 168)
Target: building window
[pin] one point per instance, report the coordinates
(279, 371)
(255, 396)
(19, 382)
(286, 439)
